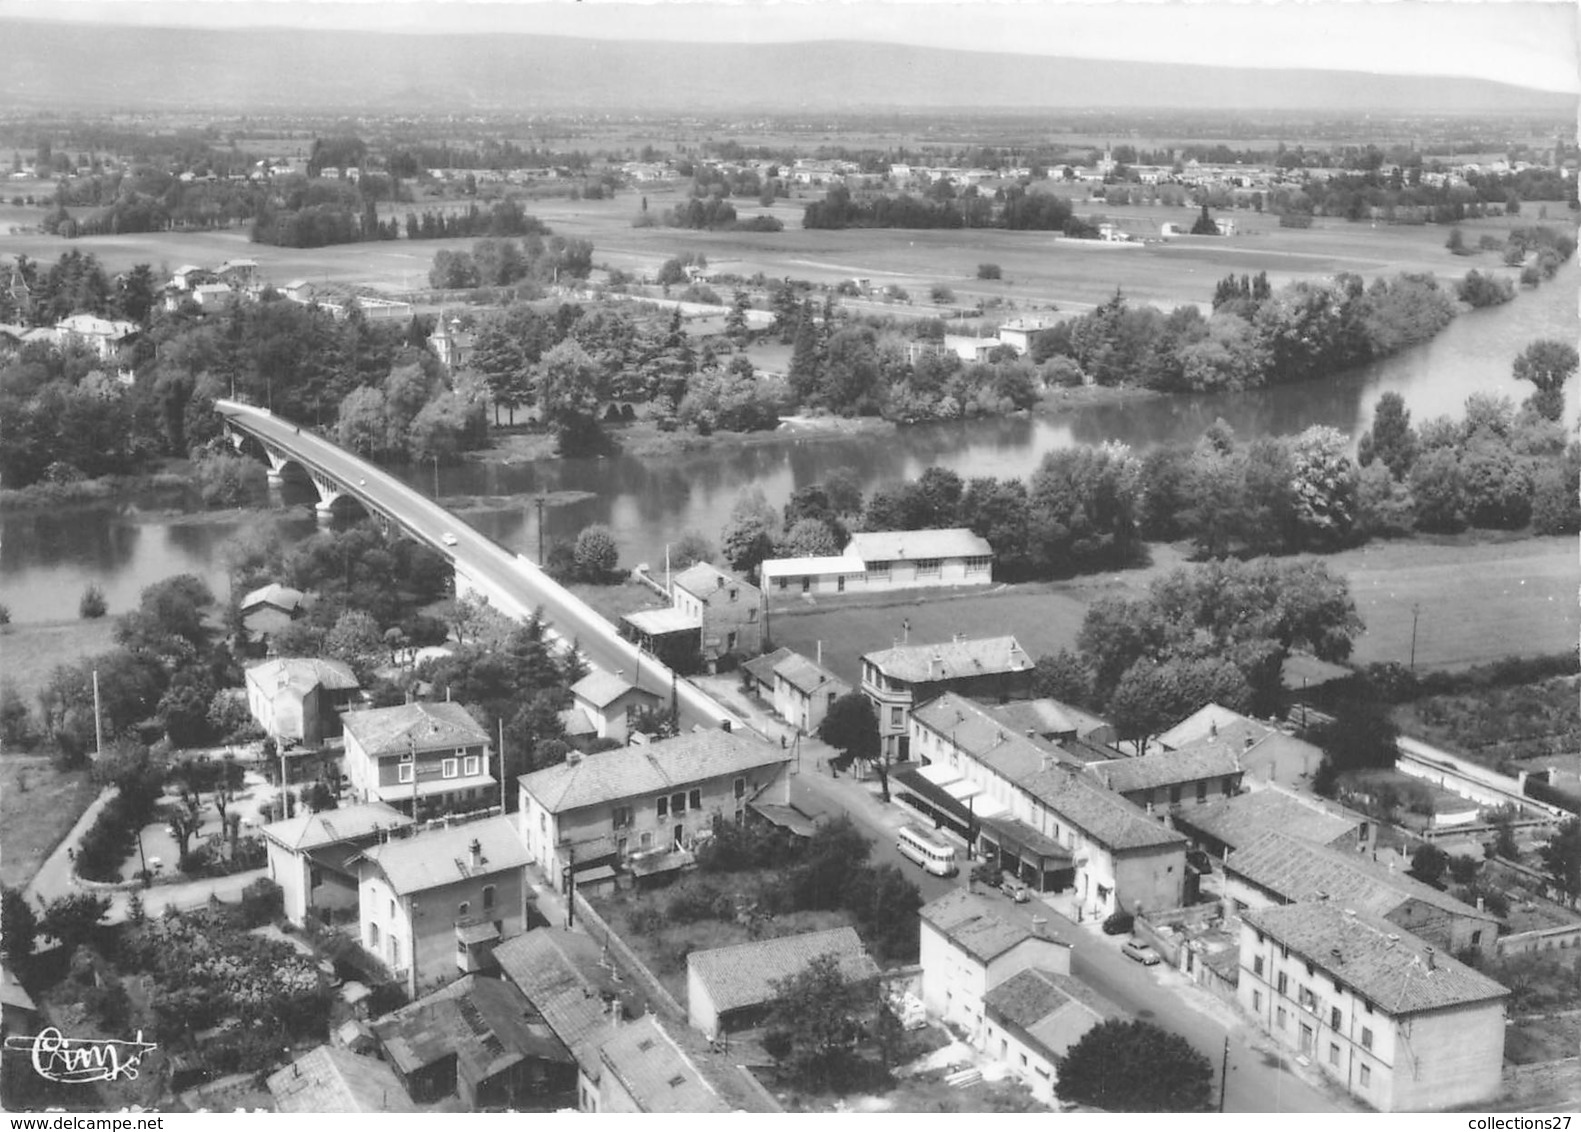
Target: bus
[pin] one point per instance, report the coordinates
(926, 850)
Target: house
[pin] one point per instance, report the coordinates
(1042, 816)
(271, 608)
(1278, 869)
(1033, 1018)
(299, 699)
(886, 560)
(478, 1039)
(1187, 777)
(329, 1079)
(726, 609)
(804, 691)
(188, 276)
(967, 950)
(1019, 332)
(643, 1069)
(240, 273)
(1227, 824)
(451, 345)
(672, 635)
(103, 336)
(606, 703)
(643, 808)
(1385, 1015)
(1267, 754)
(311, 855)
(299, 291)
(729, 989)
(757, 674)
(995, 668)
(569, 981)
(433, 757)
(1080, 733)
(432, 904)
(969, 348)
(212, 294)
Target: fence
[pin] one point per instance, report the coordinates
(1558, 938)
(629, 961)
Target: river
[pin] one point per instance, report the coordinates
(47, 558)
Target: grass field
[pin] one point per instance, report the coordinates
(38, 806)
(1479, 600)
(1039, 268)
(29, 652)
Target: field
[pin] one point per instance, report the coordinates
(1479, 600)
(1040, 269)
(38, 806)
(29, 652)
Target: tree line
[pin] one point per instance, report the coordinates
(1013, 208)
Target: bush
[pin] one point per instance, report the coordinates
(92, 603)
(988, 271)
(939, 293)
(1295, 220)
(595, 555)
(263, 902)
(699, 899)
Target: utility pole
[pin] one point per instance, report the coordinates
(1224, 1072)
(540, 501)
(412, 958)
(98, 725)
(502, 766)
(436, 477)
(1416, 612)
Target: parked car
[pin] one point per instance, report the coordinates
(1142, 952)
(1015, 889)
(1118, 923)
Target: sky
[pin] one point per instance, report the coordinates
(1529, 43)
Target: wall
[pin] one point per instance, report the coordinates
(1563, 937)
(290, 872)
(659, 999)
(1450, 1058)
(953, 983)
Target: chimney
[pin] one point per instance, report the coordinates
(1428, 955)
(1481, 906)
(820, 652)
(1248, 743)
(476, 849)
(1213, 729)
(1335, 954)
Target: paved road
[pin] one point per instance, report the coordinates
(1257, 1080)
(478, 556)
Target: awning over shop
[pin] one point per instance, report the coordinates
(913, 779)
(1016, 836)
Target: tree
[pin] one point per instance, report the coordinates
(571, 386)
(851, 728)
(1548, 364)
(596, 553)
(1204, 225)
(690, 549)
(1428, 864)
(1391, 440)
(1063, 676)
(809, 538)
(885, 904)
(816, 1026)
(73, 919)
(748, 536)
(1324, 483)
(1362, 735)
(1134, 1067)
(1150, 698)
(92, 604)
(356, 641)
(185, 820)
(1561, 857)
(18, 926)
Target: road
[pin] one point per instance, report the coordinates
(1257, 1080)
(479, 557)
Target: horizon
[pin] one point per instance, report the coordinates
(1530, 44)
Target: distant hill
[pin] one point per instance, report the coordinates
(80, 66)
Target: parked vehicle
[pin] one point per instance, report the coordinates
(448, 539)
(926, 850)
(1142, 952)
(1119, 923)
(1015, 889)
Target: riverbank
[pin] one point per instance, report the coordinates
(29, 651)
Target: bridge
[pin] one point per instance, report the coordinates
(512, 584)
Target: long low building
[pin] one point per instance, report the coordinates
(886, 560)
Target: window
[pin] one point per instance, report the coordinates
(752, 615)
(1307, 998)
(1283, 983)
(1366, 1076)
(677, 804)
(734, 593)
(463, 910)
(839, 584)
(781, 581)
(373, 937)
(646, 840)
(929, 565)
(1202, 790)
(392, 909)
(488, 897)
(1174, 795)
(1257, 1001)
(740, 788)
(1366, 1037)
(1257, 965)
(403, 773)
(664, 808)
(1333, 1054)
(897, 717)
(1476, 939)
(452, 768)
(622, 817)
(471, 765)
(395, 953)
(1333, 1018)
(1279, 1018)
(806, 584)
(694, 800)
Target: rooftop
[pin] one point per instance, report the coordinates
(603, 688)
(744, 975)
(423, 726)
(1397, 971)
(810, 567)
(1297, 870)
(806, 675)
(444, 856)
(273, 594)
(1101, 814)
(968, 921)
(301, 675)
(1039, 1002)
(1168, 768)
(1212, 721)
(488, 1025)
(564, 976)
(656, 1072)
(761, 668)
(1046, 717)
(1241, 820)
(655, 768)
(908, 546)
(327, 1079)
(951, 660)
(703, 579)
(331, 827)
(660, 622)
